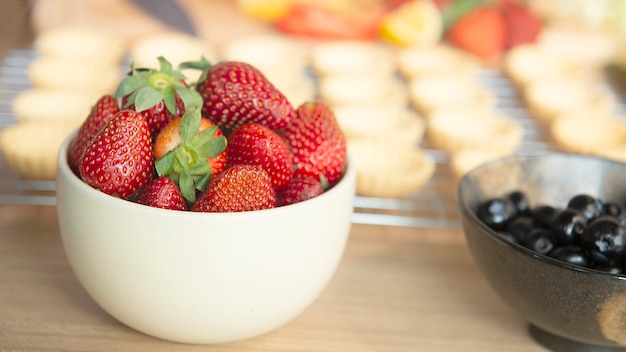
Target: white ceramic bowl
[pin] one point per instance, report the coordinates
(201, 277)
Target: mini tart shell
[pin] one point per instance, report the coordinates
(349, 56)
(31, 149)
(528, 63)
(595, 136)
(463, 161)
(52, 106)
(389, 171)
(548, 100)
(420, 61)
(430, 93)
(381, 123)
(452, 131)
(49, 72)
(362, 89)
(81, 42)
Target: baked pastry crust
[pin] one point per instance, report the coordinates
(389, 171)
(31, 151)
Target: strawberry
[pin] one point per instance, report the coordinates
(169, 138)
(255, 144)
(118, 161)
(238, 188)
(522, 25)
(189, 162)
(317, 142)
(236, 93)
(481, 32)
(100, 114)
(158, 95)
(299, 188)
(163, 193)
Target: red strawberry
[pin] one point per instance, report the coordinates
(190, 153)
(317, 142)
(481, 32)
(299, 188)
(238, 188)
(522, 25)
(255, 144)
(159, 95)
(100, 114)
(118, 160)
(162, 193)
(236, 93)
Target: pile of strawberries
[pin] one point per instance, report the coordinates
(229, 142)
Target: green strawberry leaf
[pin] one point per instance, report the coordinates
(131, 84)
(202, 182)
(169, 98)
(212, 148)
(164, 65)
(203, 64)
(187, 188)
(165, 164)
(189, 125)
(190, 97)
(146, 98)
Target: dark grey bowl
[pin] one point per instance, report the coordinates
(568, 308)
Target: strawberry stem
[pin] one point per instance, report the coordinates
(187, 164)
(146, 87)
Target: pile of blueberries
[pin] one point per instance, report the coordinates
(586, 232)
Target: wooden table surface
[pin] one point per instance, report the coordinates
(396, 289)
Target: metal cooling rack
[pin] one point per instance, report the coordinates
(434, 206)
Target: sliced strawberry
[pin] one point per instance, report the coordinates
(163, 193)
(299, 189)
(238, 188)
(522, 25)
(255, 144)
(159, 95)
(101, 113)
(118, 160)
(189, 163)
(236, 93)
(317, 142)
(481, 32)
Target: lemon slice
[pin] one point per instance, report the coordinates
(417, 22)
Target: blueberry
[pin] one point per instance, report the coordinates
(604, 240)
(539, 240)
(496, 213)
(520, 201)
(615, 210)
(571, 254)
(520, 226)
(544, 214)
(587, 205)
(567, 226)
